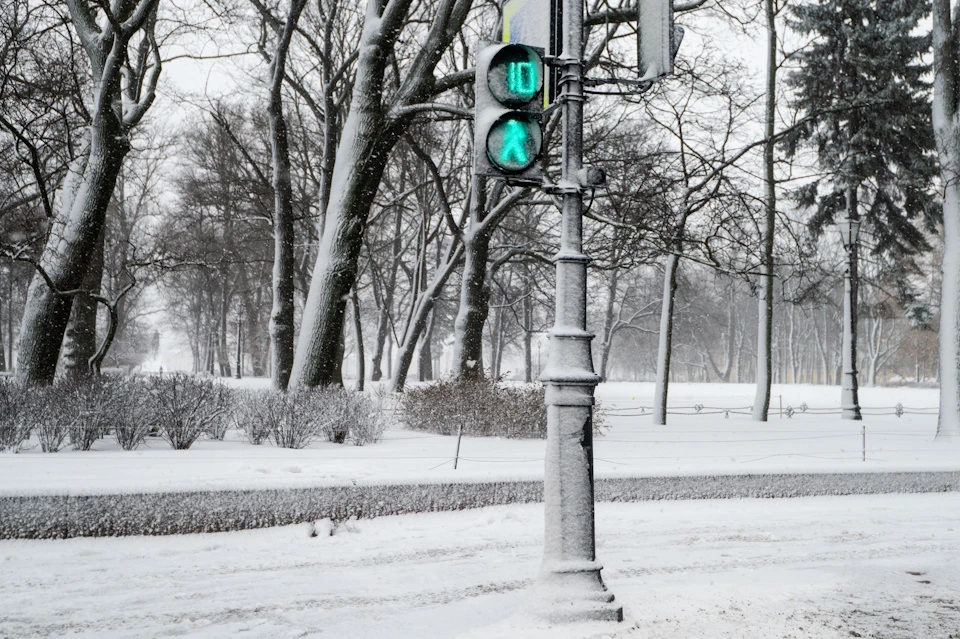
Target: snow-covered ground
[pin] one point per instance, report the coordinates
(822, 567)
(691, 443)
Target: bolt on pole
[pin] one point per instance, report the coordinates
(570, 587)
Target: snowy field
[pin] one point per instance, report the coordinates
(692, 443)
(884, 566)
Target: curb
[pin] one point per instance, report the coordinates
(62, 517)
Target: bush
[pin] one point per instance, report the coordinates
(300, 417)
(218, 426)
(186, 407)
(134, 411)
(254, 415)
(86, 406)
(14, 431)
(367, 420)
(291, 420)
(294, 420)
(485, 407)
(46, 413)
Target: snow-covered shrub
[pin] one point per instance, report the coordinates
(484, 407)
(134, 411)
(302, 417)
(290, 420)
(364, 418)
(217, 428)
(87, 407)
(14, 431)
(186, 407)
(253, 415)
(47, 415)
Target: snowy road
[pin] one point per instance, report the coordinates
(876, 566)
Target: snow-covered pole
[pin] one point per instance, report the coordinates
(849, 401)
(570, 587)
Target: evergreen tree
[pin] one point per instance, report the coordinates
(865, 84)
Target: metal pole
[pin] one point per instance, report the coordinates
(456, 457)
(570, 587)
(848, 394)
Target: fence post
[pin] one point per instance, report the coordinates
(456, 457)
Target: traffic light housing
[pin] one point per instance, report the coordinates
(508, 133)
(658, 39)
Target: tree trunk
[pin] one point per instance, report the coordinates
(282, 313)
(92, 176)
(474, 291)
(607, 340)
(358, 335)
(369, 134)
(425, 360)
(386, 299)
(496, 342)
(3, 354)
(761, 401)
(528, 331)
(10, 358)
(666, 340)
(849, 392)
(423, 304)
(80, 338)
(947, 132)
(69, 249)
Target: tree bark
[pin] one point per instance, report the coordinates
(92, 177)
(666, 340)
(423, 304)
(3, 354)
(69, 249)
(282, 313)
(369, 134)
(358, 335)
(946, 127)
(528, 329)
(607, 340)
(761, 401)
(80, 338)
(425, 360)
(386, 299)
(474, 292)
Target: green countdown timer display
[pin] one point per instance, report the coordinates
(514, 141)
(515, 79)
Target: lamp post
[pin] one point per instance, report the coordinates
(570, 587)
(849, 231)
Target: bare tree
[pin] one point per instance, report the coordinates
(124, 58)
(373, 127)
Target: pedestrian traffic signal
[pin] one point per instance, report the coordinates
(509, 106)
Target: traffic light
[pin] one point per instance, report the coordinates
(658, 39)
(509, 110)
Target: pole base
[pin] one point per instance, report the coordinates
(573, 591)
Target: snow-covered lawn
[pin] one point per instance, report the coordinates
(709, 442)
(691, 443)
(872, 566)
